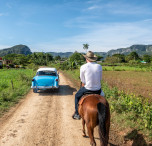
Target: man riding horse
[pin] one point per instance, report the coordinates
(90, 75)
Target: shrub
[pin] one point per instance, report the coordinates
(124, 103)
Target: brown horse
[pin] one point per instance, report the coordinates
(94, 110)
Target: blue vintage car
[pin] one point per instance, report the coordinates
(46, 78)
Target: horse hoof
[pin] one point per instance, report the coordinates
(84, 135)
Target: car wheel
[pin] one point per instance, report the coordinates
(57, 89)
(35, 90)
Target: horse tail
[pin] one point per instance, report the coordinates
(102, 121)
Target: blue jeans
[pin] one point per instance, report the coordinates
(80, 93)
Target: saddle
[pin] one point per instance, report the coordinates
(84, 97)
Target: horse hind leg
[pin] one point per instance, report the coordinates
(83, 124)
(90, 133)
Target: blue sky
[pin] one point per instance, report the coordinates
(65, 25)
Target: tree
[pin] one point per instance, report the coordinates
(41, 58)
(112, 59)
(85, 47)
(74, 61)
(76, 57)
(20, 59)
(49, 57)
(99, 57)
(57, 58)
(147, 58)
(120, 57)
(132, 56)
(17, 59)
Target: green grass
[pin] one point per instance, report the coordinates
(130, 110)
(75, 74)
(127, 68)
(14, 84)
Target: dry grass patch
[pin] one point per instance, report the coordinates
(139, 83)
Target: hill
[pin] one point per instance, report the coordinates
(61, 54)
(140, 49)
(103, 54)
(68, 54)
(18, 49)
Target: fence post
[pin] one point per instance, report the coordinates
(12, 84)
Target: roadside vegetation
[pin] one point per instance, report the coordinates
(14, 84)
(126, 67)
(131, 111)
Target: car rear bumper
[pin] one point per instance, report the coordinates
(44, 87)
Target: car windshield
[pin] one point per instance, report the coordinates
(46, 73)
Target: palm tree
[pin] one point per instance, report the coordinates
(85, 47)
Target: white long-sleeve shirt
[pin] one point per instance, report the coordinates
(91, 75)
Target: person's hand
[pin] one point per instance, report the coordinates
(82, 84)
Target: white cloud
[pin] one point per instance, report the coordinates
(81, 22)
(117, 8)
(148, 20)
(2, 14)
(97, 11)
(93, 7)
(105, 37)
(101, 36)
(93, 1)
(127, 8)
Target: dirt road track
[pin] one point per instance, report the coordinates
(44, 119)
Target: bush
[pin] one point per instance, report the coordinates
(32, 66)
(134, 62)
(123, 103)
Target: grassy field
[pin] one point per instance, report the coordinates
(128, 68)
(138, 83)
(14, 83)
(128, 79)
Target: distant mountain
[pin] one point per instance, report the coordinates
(18, 49)
(103, 54)
(61, 54)
(68, 54)
(140, 49)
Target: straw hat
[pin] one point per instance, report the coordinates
(90, 56)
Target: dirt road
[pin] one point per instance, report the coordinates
(44, 119)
